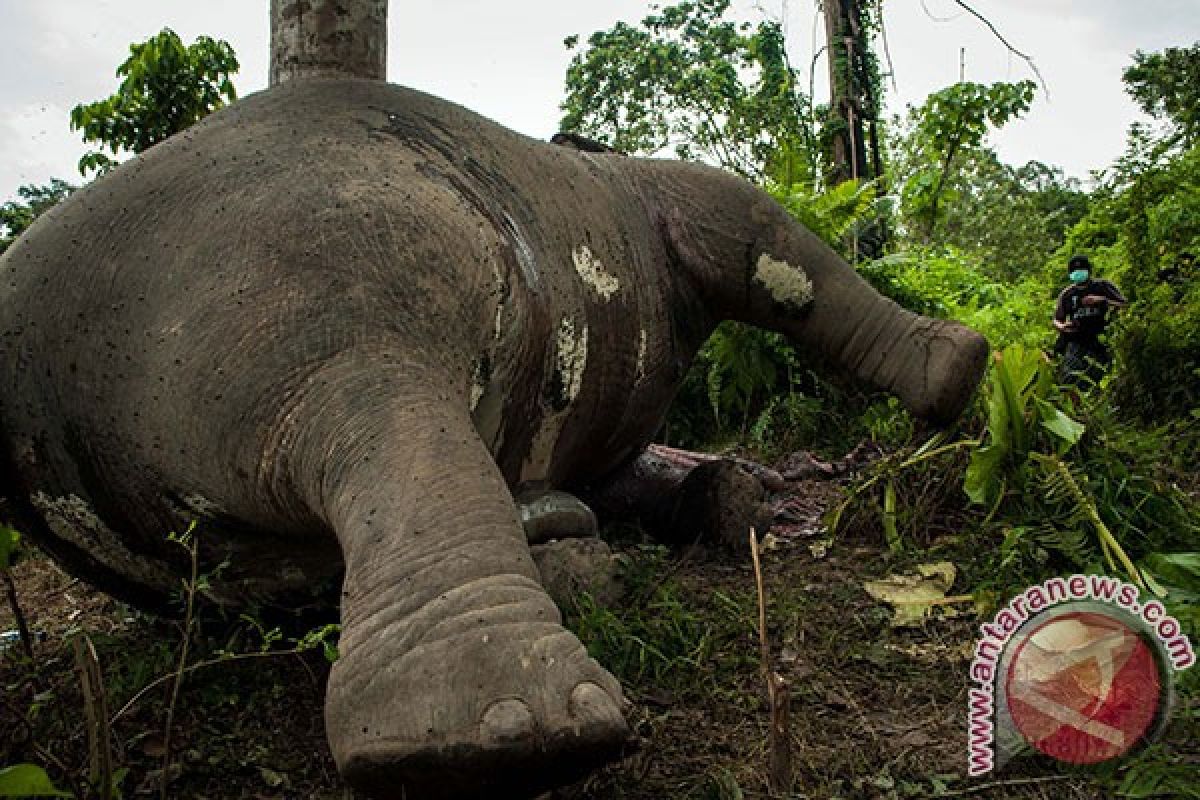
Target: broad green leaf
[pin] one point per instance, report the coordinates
(1179, 570)
(983, 476)
(999, 428)
(1058, 423)
(1013, 372)
(28, 780)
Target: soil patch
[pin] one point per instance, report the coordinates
(877, 711)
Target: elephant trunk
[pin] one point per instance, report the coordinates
(932, 365)
(753, 262)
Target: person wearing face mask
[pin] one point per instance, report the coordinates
(1080, 316)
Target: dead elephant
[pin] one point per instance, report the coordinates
(341, 323)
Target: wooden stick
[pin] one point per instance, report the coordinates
(22, 626)
(95, 707)
(779, 745)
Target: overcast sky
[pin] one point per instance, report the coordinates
(505, 59)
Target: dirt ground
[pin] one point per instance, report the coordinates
(876, 711)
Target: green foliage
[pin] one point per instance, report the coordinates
(1046, 475)
(1157, 236)
(1155, 773)
(28, 780)
(839, 215)
(10, 542)
(1176, 577)
(692, 80)
(1167, 85)
(166, 87)
(1009, 219)
(902, 491)
(665, 637)
(948, 283)
(744, 368)
(16, 216)
(752, 385)
(888, 424)
(1019, 408)
(951, 121)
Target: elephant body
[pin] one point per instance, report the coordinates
(339, 324)
(403, 237)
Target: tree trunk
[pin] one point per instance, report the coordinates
(328, 37)
(854, 100)
(843, 45)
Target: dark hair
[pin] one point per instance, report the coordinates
(1079, 262)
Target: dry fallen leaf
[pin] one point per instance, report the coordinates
(912, 596)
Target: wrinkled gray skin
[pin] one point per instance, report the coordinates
(339, 323)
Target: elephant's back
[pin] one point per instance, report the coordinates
(155, 326)
(152, 325)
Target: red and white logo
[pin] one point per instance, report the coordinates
(1079, 668)
(1084, 687)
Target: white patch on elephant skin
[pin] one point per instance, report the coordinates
(570, 348)
(71, 519)
(498, 323)
(643, 341)
(570, 360)
(786, 283)
(477, 390)
(593, 273)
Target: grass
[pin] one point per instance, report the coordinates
(877, 712)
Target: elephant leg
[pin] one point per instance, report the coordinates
(455, 674)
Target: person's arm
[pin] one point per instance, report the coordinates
(1115, 298)
(1061, 324)
(1108, 296)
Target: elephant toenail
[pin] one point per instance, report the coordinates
(507, 721)
(590, 703)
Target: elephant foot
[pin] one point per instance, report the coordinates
(493, 705)
(455, 678)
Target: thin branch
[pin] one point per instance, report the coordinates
(887, 52)
(984, 787)
(10, 587)
(933, 17)
(779, 751)
(1006, 43)
(198, 665)
(193, 545)
(95, 706)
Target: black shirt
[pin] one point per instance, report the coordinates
(1089, 320)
